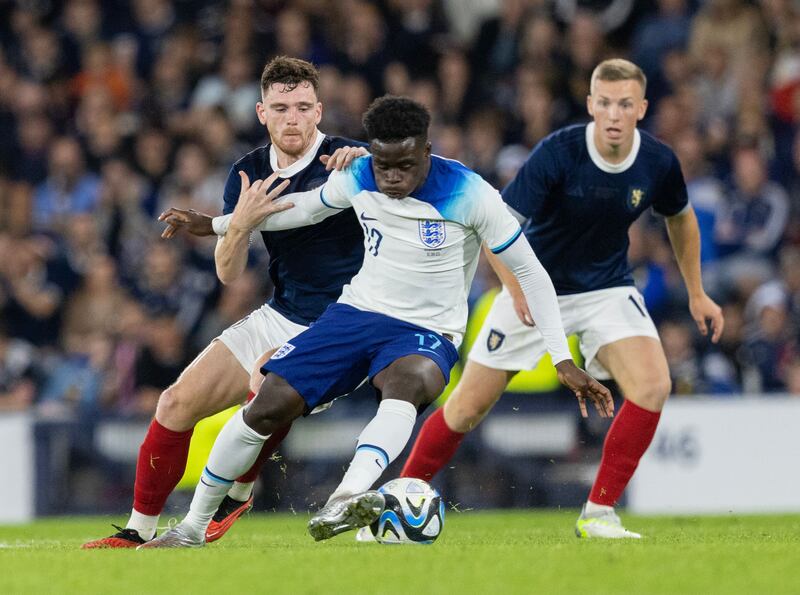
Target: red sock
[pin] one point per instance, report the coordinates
(435, 446)
(159, 468)
(626, 442)
(270, 446)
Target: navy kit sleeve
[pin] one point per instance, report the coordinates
(672, 197)
(233, 187)
(528, 191)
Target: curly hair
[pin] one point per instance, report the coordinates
(290, 72)
(391, 118)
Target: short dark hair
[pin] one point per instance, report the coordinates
(290, 72)
(618, 69)
(391, 118)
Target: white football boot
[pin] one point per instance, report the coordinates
(346, 514)
(603, 525)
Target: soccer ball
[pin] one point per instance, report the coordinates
(414, 512)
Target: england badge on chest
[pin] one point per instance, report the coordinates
(432, 232)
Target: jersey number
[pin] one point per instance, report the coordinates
(374, 238)
(434, 340)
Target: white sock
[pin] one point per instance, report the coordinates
(144, 524)
(379, 444)
(592, 508)
(241, 491)
(234, 452)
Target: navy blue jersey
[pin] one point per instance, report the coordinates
(579, 214)
(308, 265)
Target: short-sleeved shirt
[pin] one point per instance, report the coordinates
(579, 207)
(421, 251)
(309, 265)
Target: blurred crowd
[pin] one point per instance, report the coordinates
(112, 111)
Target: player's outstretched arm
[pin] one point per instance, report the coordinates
(194, 222)
(684, 235)
(540, 295)
(255, 202)
(293, 210)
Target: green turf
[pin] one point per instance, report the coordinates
(518, 552)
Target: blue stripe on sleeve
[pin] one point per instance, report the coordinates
(322, 198)
(508, 242)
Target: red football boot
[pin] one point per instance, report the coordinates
(227, 513)
(123, 538)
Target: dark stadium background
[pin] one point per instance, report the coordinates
(112, 111)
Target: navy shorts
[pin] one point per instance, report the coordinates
(345, 345)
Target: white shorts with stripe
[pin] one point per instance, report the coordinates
(596, 317)
(258, 332)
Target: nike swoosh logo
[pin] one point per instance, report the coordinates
(378, 463)
(365, 218)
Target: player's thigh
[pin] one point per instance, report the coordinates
(213, 382)
(604, 317)
(411, 363)
(258, 333)
(639, 367)
(413, 378)
(476, 393)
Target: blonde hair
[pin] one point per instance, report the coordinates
(618, 69)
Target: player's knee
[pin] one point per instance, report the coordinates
(276, 405)
(653, 393)
(465, 410)
(176, 409)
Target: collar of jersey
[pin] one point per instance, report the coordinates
(611, 168)
(300, 164)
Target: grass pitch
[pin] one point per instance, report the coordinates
(479, 552)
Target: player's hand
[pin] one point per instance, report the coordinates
(521, 307)
(342, 157)
(194, 222)
(585, 387)
(704, 308)
(257, 202)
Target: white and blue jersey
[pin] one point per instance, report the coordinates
(308, 266)
(421, 251)
(579, 207)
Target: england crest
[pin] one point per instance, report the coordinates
(432, 232)
(494, 340)
(285, 350)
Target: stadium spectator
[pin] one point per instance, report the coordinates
(68, 188)
(79, 382)
(18, 378)
(235, 89)
(159, 362)
(755, 214)
(771, 344)
(657, 34)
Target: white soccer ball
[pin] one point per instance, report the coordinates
(414, 513)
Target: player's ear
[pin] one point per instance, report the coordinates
(589, 105)
(261, 112)
(318, 108)
(642, 109)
